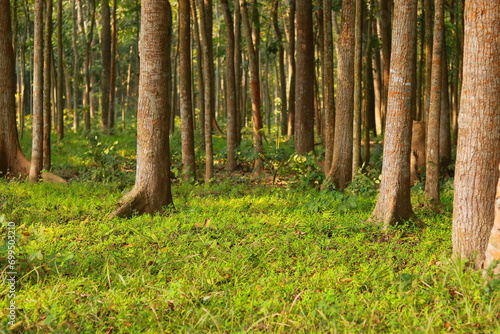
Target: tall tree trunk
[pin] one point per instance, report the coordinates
(106, 63)
(428, 39)
(47, 85)
(207, 83)
(478, 150)
(445, 124)
(238, 71)
(328, 82)
(304, 80)
(281, 66)
(60, 73)
(255, 88)
(378, 85)
(433, 125)
(113, 68)
(386, 31)
(394, 205)
(186, 103)
(291, 68)
(76, 69)
(152, 190)
(199, 71)
(232, 114)
(37, 142)
(341, 170)
(358, 50)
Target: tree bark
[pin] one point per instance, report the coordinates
(232, 114)
(37, 142)
(358, 50)
(304, 80)
(281, 67)
(328, 83)
(60, 74)
(186, 103)
(341, 170)
(478, 150)
(433, 124)
(254, 87)
(113, 68)
(291, 68)
(106, 63)
(393, 205)
(47, 86)
(152, 190)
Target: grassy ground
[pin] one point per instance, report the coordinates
(236, 256)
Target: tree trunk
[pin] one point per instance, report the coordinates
(304, 80)
(478, 150)
(186, 103)
(445, 124)
(152, 190)
(208, 87)
(358, 50)
(393, 205)
(232, 114)
(238, 71)
(385, 31)
(328, 82)
(199, 72)
(47, 86)
(341, 170)
(291, 69)
(113, 69)
(254, 87)
(37, 142)
(433, 127)
(281, 66)
(60, 74)
(106, 63)
(76, 69)
(428, 38)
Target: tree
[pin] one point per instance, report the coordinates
(341, 170)
(281, 65)
(232, 114)
(478, 149)
(37, 142)
(106, 63)
(47, 85)
(358, 68)
(393, 205)
(60, 74)
(291, 68)
(186, 103)
(305, 76)
(152, 190)
(329, 99)
(254, 87)
(12, 160)
(433, 120)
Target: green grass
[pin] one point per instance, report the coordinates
(232, 257)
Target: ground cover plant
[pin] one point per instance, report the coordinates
(238, 255)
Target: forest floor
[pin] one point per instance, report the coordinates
(234, 256)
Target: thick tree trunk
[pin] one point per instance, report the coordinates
(341, 170)
(445, 120)
(37, 142)
(232, 114)
(393, 205)
(186, 103)
(478, 150)
(152, 192)
(428, 42)
(385, 31)
(304, 80)
(433, 124)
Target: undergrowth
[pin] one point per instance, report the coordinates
(234, 256)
